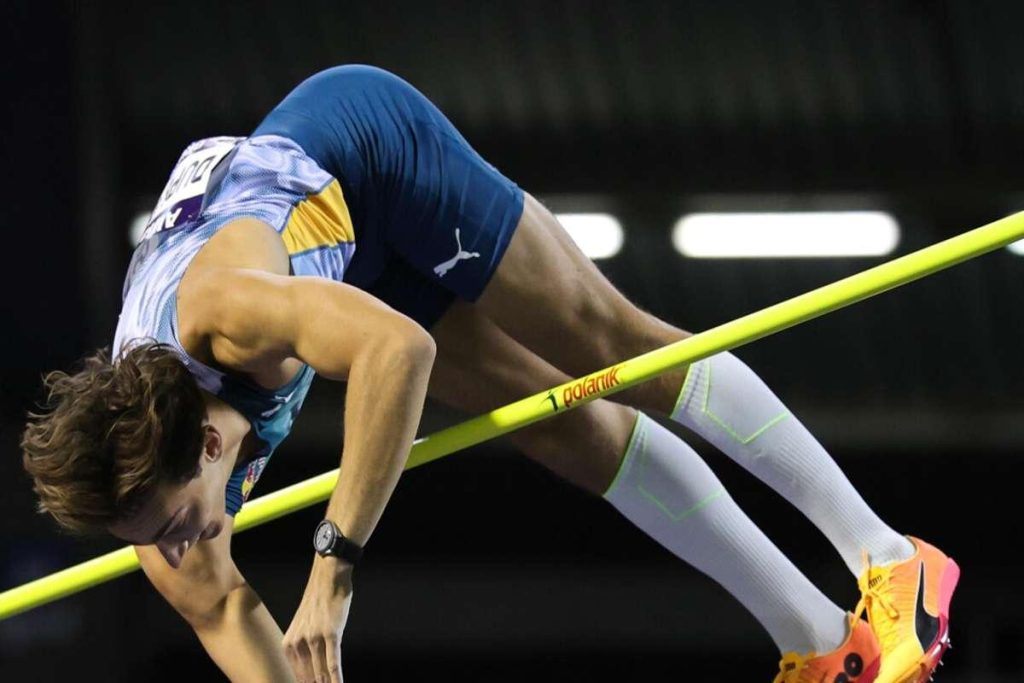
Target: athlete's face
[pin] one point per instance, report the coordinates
(178, 516)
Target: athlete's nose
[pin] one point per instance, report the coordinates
(172, 554)
(175, 554)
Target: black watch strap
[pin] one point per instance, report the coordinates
(330, 542)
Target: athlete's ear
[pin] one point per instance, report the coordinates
(213, 443)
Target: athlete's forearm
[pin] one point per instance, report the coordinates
(387, 365)
(245, 641)
(387, 385)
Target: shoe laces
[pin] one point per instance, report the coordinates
(790, 667)
(875, 599)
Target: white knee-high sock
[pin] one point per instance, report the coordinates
(668, 491)
(725, 402)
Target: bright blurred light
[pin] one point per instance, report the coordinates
(803, 234)
(137, 227)
(1017, 247)
(598, 235)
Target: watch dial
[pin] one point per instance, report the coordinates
(323, 538)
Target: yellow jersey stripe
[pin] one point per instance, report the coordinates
(319, 220)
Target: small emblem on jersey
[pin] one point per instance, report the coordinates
(267, 414)
(281, 402)
(252, 476)
(441, 269)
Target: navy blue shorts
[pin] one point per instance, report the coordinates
(432, 219)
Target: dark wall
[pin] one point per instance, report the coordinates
(41, 303)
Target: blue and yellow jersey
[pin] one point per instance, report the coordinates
(434, 220)
(217, 180)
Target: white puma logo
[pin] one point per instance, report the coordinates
(442, 268)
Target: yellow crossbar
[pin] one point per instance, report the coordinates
(567, 396)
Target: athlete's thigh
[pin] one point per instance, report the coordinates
(479, 368)
(548, 295)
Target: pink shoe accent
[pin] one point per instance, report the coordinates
(871, 672)
(950, 578)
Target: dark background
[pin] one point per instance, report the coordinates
(485, 567)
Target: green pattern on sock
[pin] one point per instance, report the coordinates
(678, 517)
(623, 466)
(744, 440)
(640, 439)
(686, 383)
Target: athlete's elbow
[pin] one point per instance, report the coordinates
(415, 345)
(400, 346)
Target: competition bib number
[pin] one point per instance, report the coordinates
(182, 198)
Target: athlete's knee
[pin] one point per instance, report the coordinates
(198, 590)
(583, 446)
(632, 331)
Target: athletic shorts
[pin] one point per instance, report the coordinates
(432, 219)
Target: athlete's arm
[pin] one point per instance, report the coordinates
(227, 615)
(252, 318)
(344, 334)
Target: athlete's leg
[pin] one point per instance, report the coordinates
(479, 368)
(225, 612)
(547, 294)
(663, 486)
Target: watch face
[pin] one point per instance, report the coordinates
(323, 539)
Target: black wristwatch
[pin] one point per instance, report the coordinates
(330, 542)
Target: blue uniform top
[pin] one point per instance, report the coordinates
(215, 181)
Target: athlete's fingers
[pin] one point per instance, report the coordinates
(292, 657)
(333, 649)
(318, 658)
(300, 659)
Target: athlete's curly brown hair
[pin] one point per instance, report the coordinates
(111, 433)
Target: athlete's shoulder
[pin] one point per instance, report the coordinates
(245, 243)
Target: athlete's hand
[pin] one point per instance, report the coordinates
(313, 641)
